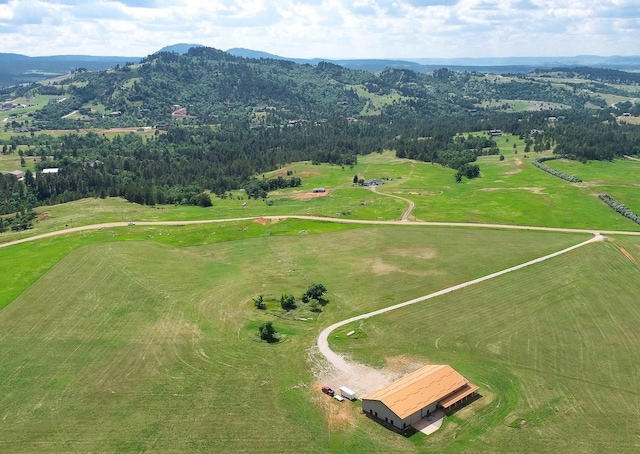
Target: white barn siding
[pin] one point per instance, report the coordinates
(378, 410)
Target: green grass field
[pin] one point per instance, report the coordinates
(143, 338)
(512, 191)
(161, 337)
(554, 347)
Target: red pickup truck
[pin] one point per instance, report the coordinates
(328, 391)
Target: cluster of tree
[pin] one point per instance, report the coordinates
(15, 197)
(313, 297)
(259, 188)
(611, 76)
(180, 166)
(556, 173)
(467, 170)
(620, 208)
(584, 136)
(22, 220)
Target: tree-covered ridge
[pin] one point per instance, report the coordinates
(208, 86)
(177, 166)
(595, 137)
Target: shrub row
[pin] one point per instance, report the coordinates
(565, 176)
(620, 208)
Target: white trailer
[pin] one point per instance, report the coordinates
(347, 393)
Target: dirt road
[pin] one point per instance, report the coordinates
(341, 372)
(312, 218)
(407, 212)
(364, 379)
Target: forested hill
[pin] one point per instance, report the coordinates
(220, 119)
(209, 86)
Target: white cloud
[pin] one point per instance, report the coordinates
(323, 28)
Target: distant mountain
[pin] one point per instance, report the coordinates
(362, 64)
(181, 48)
(18, 69)
(248, 53)
(612, 62)
(497, 65)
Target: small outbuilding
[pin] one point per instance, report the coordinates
(418, 395)
(19, 174)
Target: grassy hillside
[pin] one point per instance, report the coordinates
(508, 192)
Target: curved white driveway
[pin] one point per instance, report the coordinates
(364, 379)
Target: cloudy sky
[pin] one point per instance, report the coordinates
(325, 28)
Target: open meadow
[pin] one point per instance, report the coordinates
(145, 338)
(511, 191)
(129, 342)
(554, 349)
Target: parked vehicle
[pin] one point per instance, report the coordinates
(328, 391)
(347, 393)
(338, 397)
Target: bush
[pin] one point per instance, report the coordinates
(288, 302)
(259, 303)
(267, 332)
(315, 306)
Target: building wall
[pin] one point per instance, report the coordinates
(377, 409)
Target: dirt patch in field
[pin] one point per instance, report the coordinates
(309, 173)
(422, 253)
(308, 195)
(44, 216)
(339, 415)
(588, 184)
(417, 193)
(401, 365)
(515, 171)
(538, 191)
(380, 268)
(628, 255)
(263, 221)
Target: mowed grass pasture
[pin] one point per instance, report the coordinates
(554, 349)
(130, 342)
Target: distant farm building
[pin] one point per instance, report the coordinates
(495, 132)
(418, 395)
(373, 182)
(19, 174)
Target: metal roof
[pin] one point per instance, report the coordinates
(422, 388)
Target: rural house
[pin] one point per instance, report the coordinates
(19, 174)
(418, 395)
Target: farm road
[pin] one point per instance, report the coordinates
(364, 379)
(407, 212)
(106, 225)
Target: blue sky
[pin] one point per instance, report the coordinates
(325, 28)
